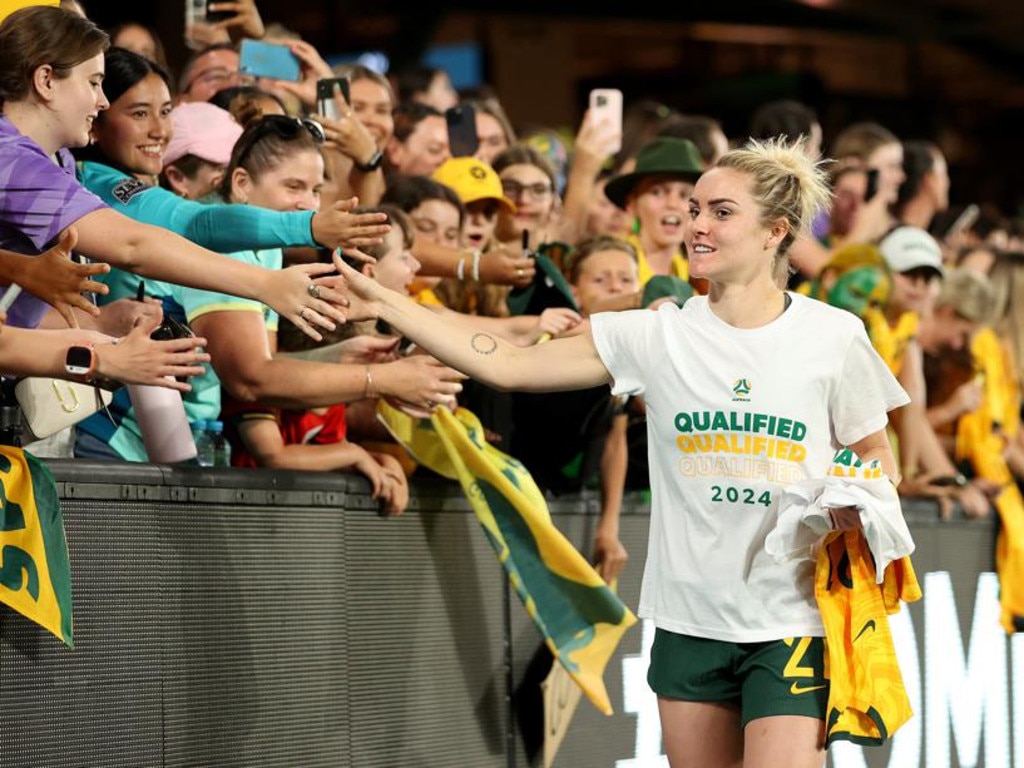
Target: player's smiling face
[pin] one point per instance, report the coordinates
(725, 235)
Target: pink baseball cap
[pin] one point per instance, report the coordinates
(203, 130)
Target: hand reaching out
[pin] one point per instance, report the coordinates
(138, 359)
(294, 294)
(53, 277)
(421, 381)
(507, 266)
(555, 321)
(121, 315)
(365, 349)
(338, 227)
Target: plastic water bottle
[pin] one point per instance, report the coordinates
(204, 442)
(221, 445)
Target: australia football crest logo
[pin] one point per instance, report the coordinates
(741, 390)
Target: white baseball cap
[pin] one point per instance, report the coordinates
(906, 248)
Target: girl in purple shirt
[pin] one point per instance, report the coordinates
(51, 89)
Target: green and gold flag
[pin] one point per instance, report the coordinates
(579, 616)
(35, 575)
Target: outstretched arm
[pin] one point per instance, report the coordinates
(136, 359)
(561, 364)
(105, 235)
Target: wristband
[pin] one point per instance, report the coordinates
(371, 165)
(368, 389)
(476, 264)
(460, 269)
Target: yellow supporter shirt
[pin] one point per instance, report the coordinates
(428, 297)
(891, 341)
(679, 267)
(867, 699)
(993, 363)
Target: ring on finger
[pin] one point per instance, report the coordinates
(519, 272)
(313, 290)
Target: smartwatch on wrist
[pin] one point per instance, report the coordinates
(375, 161)
(80, 363)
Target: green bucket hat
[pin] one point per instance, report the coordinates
(660, 157)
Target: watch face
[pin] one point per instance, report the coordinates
(78, 361)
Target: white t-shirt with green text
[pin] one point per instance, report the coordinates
(733, 417)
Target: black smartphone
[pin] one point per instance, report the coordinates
(326, 90)
(462, 137)
(947, 481)
(872, 187)
(214, 16)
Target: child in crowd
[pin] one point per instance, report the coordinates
(437, 217)
(318, 438)
(479, 189)
(657, 195)
(199, 149)
(574, 440)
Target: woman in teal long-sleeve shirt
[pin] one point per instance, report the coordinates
(122, 164)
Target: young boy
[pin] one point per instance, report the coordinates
(572, 440)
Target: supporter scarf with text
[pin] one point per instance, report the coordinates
(579, 616)
(35, 575)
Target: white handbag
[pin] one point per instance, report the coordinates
(51, 405)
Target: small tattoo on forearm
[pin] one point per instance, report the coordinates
(483, 344)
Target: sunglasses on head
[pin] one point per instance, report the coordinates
(288, 128)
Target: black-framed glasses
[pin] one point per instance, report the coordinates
(288, 128)
(515, 190)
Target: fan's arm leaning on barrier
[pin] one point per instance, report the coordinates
(560, 364)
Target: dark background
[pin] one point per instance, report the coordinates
(951, 72)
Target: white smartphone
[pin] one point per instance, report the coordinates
(606, 104)
(195, 13)
(967, 219)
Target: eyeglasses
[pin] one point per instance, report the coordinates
(219, 76)
(515, 190)
(287, 128)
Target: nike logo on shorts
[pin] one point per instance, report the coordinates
(796, 689)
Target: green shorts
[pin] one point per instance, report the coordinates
(777, 677)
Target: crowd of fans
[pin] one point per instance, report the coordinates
(218, 199)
